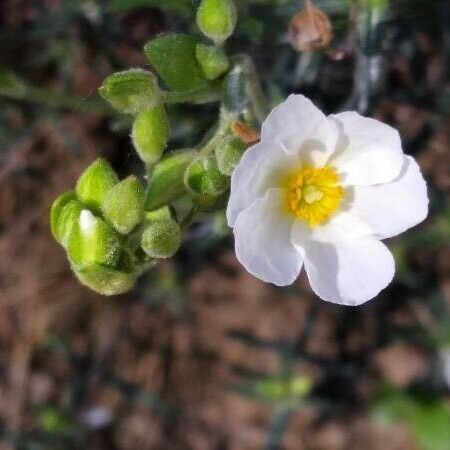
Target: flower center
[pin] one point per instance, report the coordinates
(313, 194)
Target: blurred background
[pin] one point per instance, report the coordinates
(201, 355)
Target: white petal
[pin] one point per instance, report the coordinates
(301, 128)
(344, 263)
(369, 151)
(262, 239)
(261, 168)
(392, 208)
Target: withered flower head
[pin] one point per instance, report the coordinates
(310, 29)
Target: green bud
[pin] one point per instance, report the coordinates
(131, 91)
(95, 182)
(123, 206)
(150, 134)
(162, 234)
(65, 221)
(93, 241)
(203, 177)
(166, 181)
(212, 60)
(56, 209)
(217, 19)
(108, 281)
(228, 154)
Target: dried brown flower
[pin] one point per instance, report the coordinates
(310, 29)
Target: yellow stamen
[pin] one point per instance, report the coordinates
(313, 194)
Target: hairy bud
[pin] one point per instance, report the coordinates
(203, 177)
(131, 91)
(162, 235)
(95, 182)
(228, 154)
(212, 60)
(151, 133)
(217, 19)
(123, 206)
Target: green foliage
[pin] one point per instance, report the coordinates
(95, 182)
(131, 91)
(429, 420)
(282, 389)
(150, 134)
(182, 7)
(10, 83)
(217, 19)
(213, 61)
(123, 206)
(173, 56)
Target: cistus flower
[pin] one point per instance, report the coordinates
(322, 192)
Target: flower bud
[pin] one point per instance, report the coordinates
(166, 180)
(150, 134)
(95, 182)
(108, 281)
(228, 154)
(212, 60)
(217, 19)
(131, 91)
(310, 29)
(65, 219)
(56, 210)
(123, 206)
(93, 241)
(203, 177)
(162, 234)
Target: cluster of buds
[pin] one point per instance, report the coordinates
(105, 231)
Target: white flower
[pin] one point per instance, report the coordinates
(321, 192)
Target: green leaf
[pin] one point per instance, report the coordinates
(10, 83)
(182, 7)
(173, 56)
(429, 421)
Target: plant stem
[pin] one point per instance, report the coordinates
(59, 100)
(207, 95)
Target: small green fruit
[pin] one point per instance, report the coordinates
(95, 182)
(162, 234)
(123, 206)
(150, 134)
(217, 19)
(212, 60)
(131, 91)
